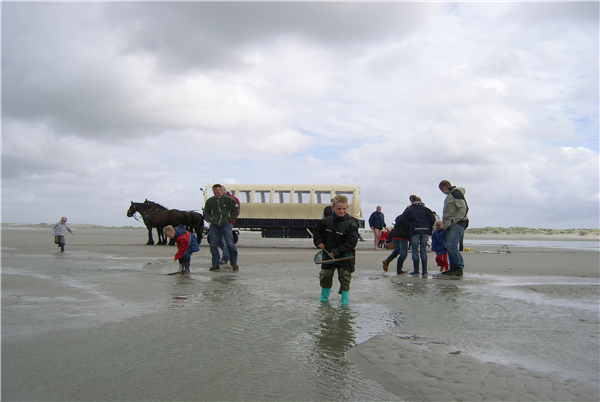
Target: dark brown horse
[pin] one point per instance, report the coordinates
(148, 210)
(158, 216)
(193, 221)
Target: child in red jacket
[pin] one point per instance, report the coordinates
(187, 243)
(384, 237)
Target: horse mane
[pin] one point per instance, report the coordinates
(152, 203)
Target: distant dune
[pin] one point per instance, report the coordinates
(74, 226)
(525, 231)
(489, 230)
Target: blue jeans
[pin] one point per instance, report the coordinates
(453, 236)
(223, 247)
(416, 240)
(400, 250)
(217, 232)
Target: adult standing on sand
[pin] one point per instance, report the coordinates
(222, 244)
(420, 226)
(456, 220)
(220, 211)
(59, 231)
(377, 223)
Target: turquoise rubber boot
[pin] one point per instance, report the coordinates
(325, 294)
(345, 296)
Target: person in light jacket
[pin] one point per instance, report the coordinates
(58, 231)
(456, 220)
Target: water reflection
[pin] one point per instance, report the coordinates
(335, 334)
(183, 291)
(332, 337)
(428, 289)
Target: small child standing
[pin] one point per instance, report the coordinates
(59, 231)
(384, 238)
(187, 243)
(438, 244)
(338, 235)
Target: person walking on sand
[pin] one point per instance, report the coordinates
(377, 223)
(420, 227)
(187, 243)
(456, 220)
(222, 245)
(58, 231)
(438, 244)
(220, 211)
(400, 238)
(337, 235)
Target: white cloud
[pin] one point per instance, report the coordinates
(105, 103)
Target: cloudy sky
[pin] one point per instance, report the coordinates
(108, 102)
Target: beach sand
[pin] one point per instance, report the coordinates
(417, 370)
(409, 366)
(421, 370)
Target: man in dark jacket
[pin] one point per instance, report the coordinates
(377, 223)
(420, 227)
(220, 211)
(222, 244)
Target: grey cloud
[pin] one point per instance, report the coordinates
(61, 60)
(210, 35)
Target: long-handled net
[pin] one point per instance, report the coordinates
(171, 269)
(324, 257)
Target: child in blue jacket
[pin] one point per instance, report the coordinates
(438, 244)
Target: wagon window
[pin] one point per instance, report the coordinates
(262, 197)
(243, 196)
(348, 194)
(302, 197)
(323, 197)
(281, 197)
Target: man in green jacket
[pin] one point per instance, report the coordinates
(220, 211)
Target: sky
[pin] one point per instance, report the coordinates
(104, 103)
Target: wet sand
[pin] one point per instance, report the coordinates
(400, 338)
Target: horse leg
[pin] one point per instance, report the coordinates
(161, 235)
(150, 239)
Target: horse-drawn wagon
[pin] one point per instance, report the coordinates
(287, 211)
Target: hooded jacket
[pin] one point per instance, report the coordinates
(339, 234)
(455, 207)
(420, 219)
(187, 243)
(182, 237)
(400, 230)
(438, 242)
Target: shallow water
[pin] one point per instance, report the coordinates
(505, 321)
(207, 336)
(560, 244)
(121, 331)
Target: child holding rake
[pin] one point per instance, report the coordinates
(337, 235)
